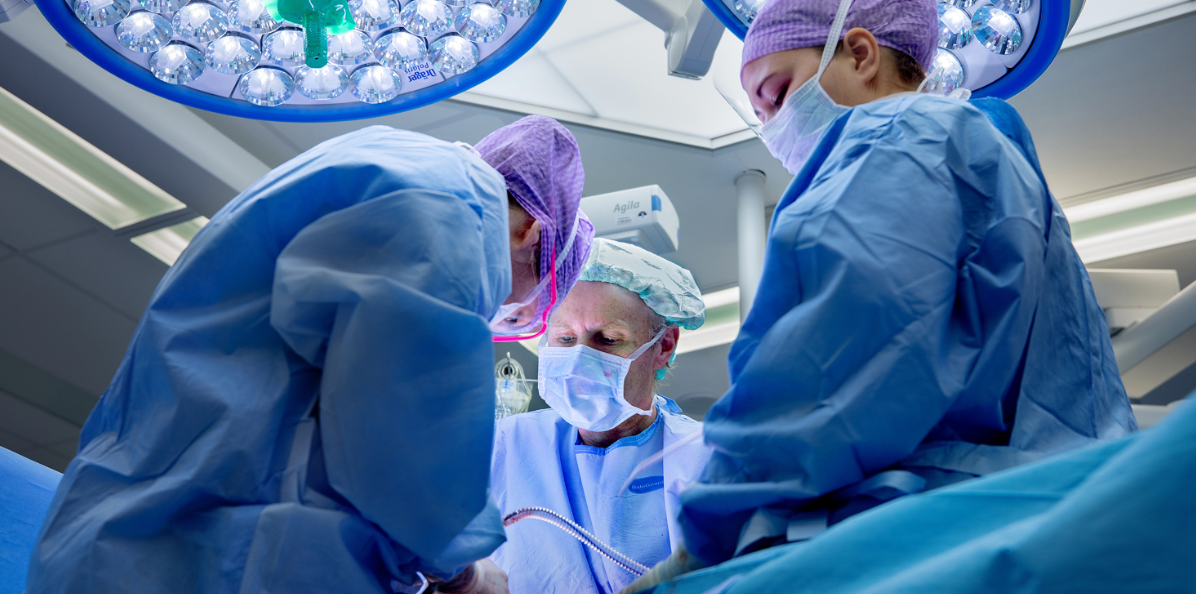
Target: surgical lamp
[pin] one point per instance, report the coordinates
(995, 48)
(303, 60)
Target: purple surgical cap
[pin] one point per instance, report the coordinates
(541, 162)
(909, 26)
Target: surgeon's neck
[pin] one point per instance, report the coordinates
(633, 426)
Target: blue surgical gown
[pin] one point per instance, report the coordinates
(1112, 517)
(307, 404)
(922, 318)
(538, 461)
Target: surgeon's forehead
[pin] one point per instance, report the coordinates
(597, 306)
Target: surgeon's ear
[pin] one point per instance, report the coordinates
(525, 235)
(668, 346)
(865, 52)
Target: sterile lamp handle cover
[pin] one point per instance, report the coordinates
(319, 18)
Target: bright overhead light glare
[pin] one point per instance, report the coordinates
(1134, 222)
(1138, 239)
(49, 154)
(168, 243)
(1132, 200)
(722, 322)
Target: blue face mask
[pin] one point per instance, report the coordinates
(794, 131)
(585, 385)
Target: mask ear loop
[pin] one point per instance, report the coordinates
(547, 310)
(832, 40)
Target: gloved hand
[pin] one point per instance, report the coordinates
(679, 563)
(483, 577)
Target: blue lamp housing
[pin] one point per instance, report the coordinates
(233, 57)
(995, 48)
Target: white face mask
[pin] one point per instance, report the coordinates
(794, 131)
(585, 385)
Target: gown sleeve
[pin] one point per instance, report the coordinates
(386, 297)
(882, 282)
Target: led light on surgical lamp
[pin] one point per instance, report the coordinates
(519, 9)
(453, 55)
(251, 16)
(177, 64)
(294, 60)
(427, 18)
(267, 87)
(144, 32)
(947, 74)
(991, 47)
(481, 23)
(401, 50)
(321, 83)
(747, 9)
(955, 27)
(375, 84)
(375, 15)
(350, 49)
(283, 48)
(997, 30)
(200, 23)
(101, 13)
(165, 7)
(233, 54)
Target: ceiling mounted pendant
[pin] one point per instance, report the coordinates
(303, 60)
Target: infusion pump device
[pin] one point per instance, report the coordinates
(641, 216)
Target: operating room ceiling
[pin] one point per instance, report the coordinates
(1109, 116)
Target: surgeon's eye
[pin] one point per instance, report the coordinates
(566, 340)
(781, 95)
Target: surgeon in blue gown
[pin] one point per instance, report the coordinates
(307, 404)
(575, 457)
(922, 317)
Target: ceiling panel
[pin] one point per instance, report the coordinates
(624, 76)
(534, 80)
(1113, 112)
(13, 443)
(32, 424)
(47, 458)
(582, 20)
(110, 268)
(31, 215)
(54, 326)
(71, 104)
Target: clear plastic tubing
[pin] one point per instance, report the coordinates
(570, 527)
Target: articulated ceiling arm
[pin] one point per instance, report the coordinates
(692, 33)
